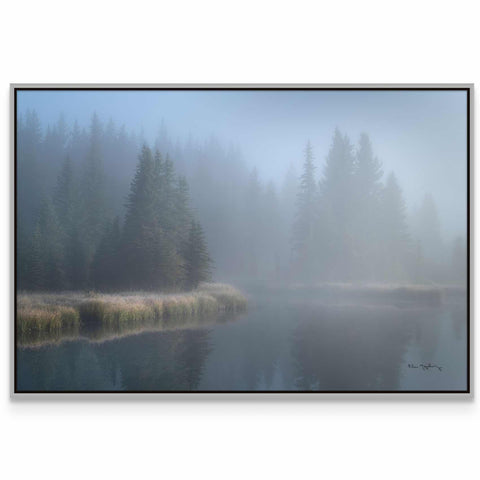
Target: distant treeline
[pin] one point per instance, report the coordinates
(351, 226)
(83, 223)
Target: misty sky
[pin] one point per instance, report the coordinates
(421, 135)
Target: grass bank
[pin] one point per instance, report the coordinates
(51, 313)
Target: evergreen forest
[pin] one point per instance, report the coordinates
(101, 208)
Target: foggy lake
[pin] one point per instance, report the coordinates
(284, 342)
(242, 240)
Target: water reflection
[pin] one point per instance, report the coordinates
(172, 360)
(278, 345)
(110, 331)
(351, 348)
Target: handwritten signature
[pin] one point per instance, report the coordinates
(425, 366)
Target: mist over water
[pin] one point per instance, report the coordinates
(283, 343)
(341, 214)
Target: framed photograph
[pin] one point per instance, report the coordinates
(242, 238)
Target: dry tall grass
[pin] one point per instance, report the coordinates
(54, 312)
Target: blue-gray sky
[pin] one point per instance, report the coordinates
(421, 135)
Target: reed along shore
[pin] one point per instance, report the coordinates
(53, 312)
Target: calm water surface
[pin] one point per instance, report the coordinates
(283, 342)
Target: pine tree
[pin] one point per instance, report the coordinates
(78, 144)
(163, 267)
(53, 150)
(337, 182)
(289, 193)
(395, 247)
(35, 262)
(183, 213)
(67, 211)
(93, 191)
(367, 189)
(106, 273)
(65, 196)
(142, 200)
(151, 256)
(166, 196)
(335, 236)
(47, 252)
(367, 172)
(30, 186)
(77, 265)
(303, 241)
(140, 217)
(428, 230)
(197, 260)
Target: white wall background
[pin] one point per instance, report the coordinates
(215, 41)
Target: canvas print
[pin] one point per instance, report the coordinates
(241, 239)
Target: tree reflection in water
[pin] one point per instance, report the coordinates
(288, 344)
(358, 348)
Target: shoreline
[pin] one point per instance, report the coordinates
(365, 288)
(43, 313)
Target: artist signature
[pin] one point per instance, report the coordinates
(425, 366)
